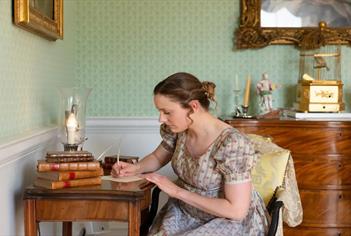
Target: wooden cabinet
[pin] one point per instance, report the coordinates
(321, 151)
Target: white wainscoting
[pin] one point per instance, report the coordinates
(18, 159)
(139, 135)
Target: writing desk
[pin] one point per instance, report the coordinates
(110, 201)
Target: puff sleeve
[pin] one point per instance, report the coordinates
(169, 139)
(235, 158)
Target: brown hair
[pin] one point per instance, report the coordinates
(209, 87)
(183, 87)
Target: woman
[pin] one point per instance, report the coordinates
(213, 194)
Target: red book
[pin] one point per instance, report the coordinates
(69, 175)
(45, 183)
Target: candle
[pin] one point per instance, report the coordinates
(236, 82)
(71, 126)
(247, 92)
(119, 150)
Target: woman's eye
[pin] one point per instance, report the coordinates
(167, 113)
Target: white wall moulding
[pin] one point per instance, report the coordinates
(18, 159)
(21, 147)
(123, 124)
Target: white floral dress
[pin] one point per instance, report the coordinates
(228, 160)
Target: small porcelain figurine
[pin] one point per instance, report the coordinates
(264, 89)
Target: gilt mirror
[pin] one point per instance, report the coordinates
(306, 24)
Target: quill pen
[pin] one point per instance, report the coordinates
(109, 147)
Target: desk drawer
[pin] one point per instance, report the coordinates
(74, 210)
(307, 231)
(323, 174)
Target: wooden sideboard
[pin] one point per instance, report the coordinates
(321, 151)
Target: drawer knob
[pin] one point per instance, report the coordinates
(340, 196)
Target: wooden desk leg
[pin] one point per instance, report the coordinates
(134, 219)
(67, 228)
(30, 221)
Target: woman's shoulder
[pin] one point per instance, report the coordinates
(232, 134)
(231, 140)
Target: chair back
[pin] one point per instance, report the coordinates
(268, 174)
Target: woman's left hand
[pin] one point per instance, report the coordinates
(163, 183)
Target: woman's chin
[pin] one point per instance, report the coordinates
(172, 128)
(176, 129)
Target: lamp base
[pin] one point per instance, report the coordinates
(70, 147)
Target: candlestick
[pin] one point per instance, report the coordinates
(71, 126)
(236, 82)
(247, 92)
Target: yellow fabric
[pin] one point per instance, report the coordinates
(270, 168)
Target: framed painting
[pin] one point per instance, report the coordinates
(307, 24)
(42, 17)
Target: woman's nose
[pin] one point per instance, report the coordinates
(161, 118)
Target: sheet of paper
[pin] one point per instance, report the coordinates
(124, 179)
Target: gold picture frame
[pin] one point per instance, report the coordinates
(42, 17)
(250, 34)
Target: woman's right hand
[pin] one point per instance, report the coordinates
(125, 169)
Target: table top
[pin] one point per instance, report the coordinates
(108, 190)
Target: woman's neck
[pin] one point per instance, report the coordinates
(204, 124)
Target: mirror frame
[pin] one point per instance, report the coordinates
(36, 22)
(250, 34)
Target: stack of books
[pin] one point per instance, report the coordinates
(68, 169)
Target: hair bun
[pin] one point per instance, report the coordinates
(209, 89)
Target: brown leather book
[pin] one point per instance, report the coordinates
(69, 159)
(44, 166)
(69, 175)
(69, 154)
(66, 184)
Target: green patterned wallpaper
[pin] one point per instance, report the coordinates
(124, 47)
(31, 68)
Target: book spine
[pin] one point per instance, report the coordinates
(68, 159)
(69, 175)
(45, 166)
(75, 183)
(79, 174)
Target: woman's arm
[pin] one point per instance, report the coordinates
(155, 160)
(234, 205)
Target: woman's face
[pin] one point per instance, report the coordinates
(172, 113)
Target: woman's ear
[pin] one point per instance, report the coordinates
(194, 104)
